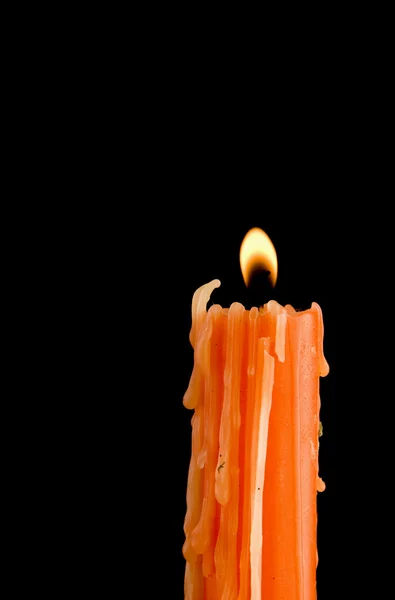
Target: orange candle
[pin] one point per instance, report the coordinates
(251, 521)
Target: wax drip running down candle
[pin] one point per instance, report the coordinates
(251, 521)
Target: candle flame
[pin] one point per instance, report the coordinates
(258, 252)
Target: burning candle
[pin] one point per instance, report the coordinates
(251, 521)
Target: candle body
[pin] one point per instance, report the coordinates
(250, 526)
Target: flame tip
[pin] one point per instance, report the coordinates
(257, 250)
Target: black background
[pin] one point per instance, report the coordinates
(160, 181)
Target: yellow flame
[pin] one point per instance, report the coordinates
(257, 252)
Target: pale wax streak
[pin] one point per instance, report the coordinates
(203, 534)
(280, 336)
(324, 367)
(227, 469)
(199, 306)
(245, 547)
(230, 416)
(194, 486)
(266, 389)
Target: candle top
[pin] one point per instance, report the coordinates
(282, 313)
